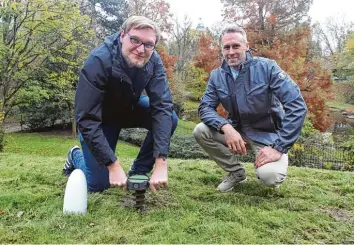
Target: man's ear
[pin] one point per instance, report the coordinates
(247, 46)
(121, 36)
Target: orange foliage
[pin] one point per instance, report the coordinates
(291, 53)
(272, 19)
(208, 54)
(169, 64)
(208, 58)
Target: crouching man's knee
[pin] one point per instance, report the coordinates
(200, 132)
(271, 179)
(272, 174)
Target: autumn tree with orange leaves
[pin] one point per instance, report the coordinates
(208, 54)
(205, 60)
(291, 51)
(208, 58)
(169, 65)
(280, 30)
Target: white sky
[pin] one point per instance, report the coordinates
(211, 10)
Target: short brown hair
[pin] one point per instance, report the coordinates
(140, 22)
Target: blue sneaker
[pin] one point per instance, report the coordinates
(69, 163)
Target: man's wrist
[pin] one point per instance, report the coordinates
(160, 160)
(113, 165)
(279, 148)
(225, 127)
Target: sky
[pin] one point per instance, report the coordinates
(210, 11)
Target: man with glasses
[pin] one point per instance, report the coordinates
(266, 113)
(109, 97)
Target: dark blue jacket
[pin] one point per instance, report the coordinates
(105, 94)
(263, 102)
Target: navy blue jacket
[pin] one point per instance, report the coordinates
(263, 103)
(105, 94)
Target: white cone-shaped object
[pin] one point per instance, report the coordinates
(76, 195)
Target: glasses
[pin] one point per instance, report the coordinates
(137, 42)
(234, 47)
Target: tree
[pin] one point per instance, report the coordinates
(208, 54)
(40, 41)
(267, 15)
(183, 43)
(346, 57)
(291, 51)
(333, 34)
(169, 63)
(279, 30)
(156, 10)
(176, 86)
(107, 16)
(44, 103)
(196, 81)
(2, 129)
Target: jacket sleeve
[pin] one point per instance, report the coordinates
(207, 110)
(289, 94)
(88, 109)
(161, 105)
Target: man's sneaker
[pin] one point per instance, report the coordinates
(69, 163)
(230, 180)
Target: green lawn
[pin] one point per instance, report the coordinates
(189, 104)
(340, 105)
(313, 206)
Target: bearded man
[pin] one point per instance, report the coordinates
(109, 97)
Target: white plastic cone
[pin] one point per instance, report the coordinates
(76, 195)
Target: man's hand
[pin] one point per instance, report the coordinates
(266, 155)
(159, 178)
(234, 140)
(117, 175)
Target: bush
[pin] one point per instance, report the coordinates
(45, 114)
(182, 146)
(344, 92)
(185, 147)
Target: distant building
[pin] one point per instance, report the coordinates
(200, 25)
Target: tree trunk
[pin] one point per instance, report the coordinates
(2, 132)
(73, 127)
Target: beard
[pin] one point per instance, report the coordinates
(131, 63)
(236, 61)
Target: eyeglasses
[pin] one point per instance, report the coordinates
(234, 47)
(137, 42)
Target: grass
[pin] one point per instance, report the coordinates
(47, 144)
(185, 128)
(313, 206)
(340, 105)
(190, 105)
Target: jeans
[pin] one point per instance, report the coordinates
(97, 176)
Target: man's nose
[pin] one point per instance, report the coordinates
(141, 48)
(231, 50)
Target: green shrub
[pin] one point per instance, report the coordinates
(182, 145)
(45, 114)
